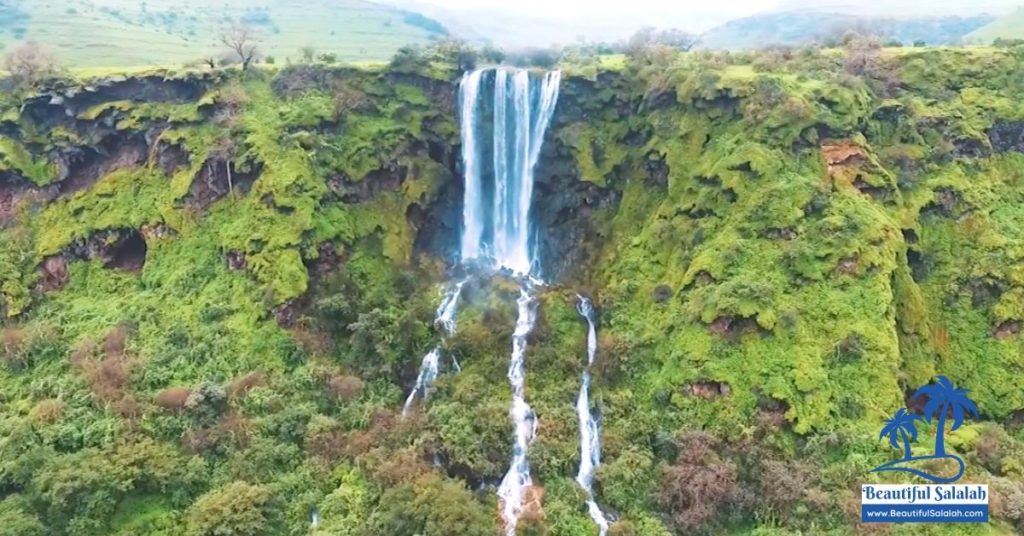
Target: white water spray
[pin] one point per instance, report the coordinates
(517, 480)
(444, 318)
(496, 223)
(590, 428)
(498, 163)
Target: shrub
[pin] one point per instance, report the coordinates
(245, 383)
(236, 509)
(207, 401)
(696, 490)
(31, 64)
(345, 388)
(173, 398)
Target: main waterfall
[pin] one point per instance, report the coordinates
(505, 114)
(496, 210)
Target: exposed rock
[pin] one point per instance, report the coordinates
(53, 273)
(1007, 136)
(236, 260)
(287, 313)
(215, 179)
(86, 166)
(127, 254)
(946, 203)
(388, 179)
(847, 266)
(662, 293)
(1007, 329)
(170, 157)
(119, 249)
(708, 389)
(733, 328)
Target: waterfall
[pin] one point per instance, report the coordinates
(444, 319)
(590, 428)
(498, 160)
(517, 479)
(496, 209)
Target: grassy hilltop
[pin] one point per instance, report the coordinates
(216, 287)
(112, 33)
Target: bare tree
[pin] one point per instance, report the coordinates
(243, 41)
(31, 63)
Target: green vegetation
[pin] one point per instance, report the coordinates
(214, 334)
(120, 33)
(1009, 26)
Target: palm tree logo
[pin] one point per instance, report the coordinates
(901, 427)
(943, 400)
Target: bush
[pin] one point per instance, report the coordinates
(699, 487)
(30, 64)
(236, 509)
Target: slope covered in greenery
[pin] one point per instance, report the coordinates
(217, 289)
(117, 33)
(1009, 26)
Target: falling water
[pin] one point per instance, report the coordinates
(590, 429)
(444, 319)
(496, 208)
(517, 479)
(498, 158)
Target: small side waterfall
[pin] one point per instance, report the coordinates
(517, 479)
(444, 319)
(590, 428)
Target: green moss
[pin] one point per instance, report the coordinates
(15, 157)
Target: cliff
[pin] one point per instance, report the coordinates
(216, 289)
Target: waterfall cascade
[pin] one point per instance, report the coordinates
(498, 157)
(517, 479)
(496, 210)
(590, 428)
(504, 116)
(444, 318)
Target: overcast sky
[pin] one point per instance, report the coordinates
(607, 8)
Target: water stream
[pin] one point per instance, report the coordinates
(590, 427)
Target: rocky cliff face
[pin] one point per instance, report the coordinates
(217, 288)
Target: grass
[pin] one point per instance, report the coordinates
(121, 33)
(1010, 26)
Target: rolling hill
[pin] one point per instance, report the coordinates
(1010, 26)
(159, 32)
(794, 28)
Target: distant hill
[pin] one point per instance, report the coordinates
(1010, 26)
(159, 32)
(808, 26)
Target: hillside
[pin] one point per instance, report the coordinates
(217, 290)
(794, 28)
(112, 33)
(1010, 26)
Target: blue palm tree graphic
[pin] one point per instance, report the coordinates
(944, 400)
(901, 426)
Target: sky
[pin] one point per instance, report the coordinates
(607, 8)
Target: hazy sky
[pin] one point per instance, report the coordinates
(605, 8)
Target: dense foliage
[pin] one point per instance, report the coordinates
(216, 290)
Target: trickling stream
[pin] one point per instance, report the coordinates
(496, 221)
(590, 428)
(504, 115)
(444, 318)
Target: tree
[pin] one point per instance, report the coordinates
(243, 41)
(30, 63)
(901, 426)
(307, 53)
(945, 399)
